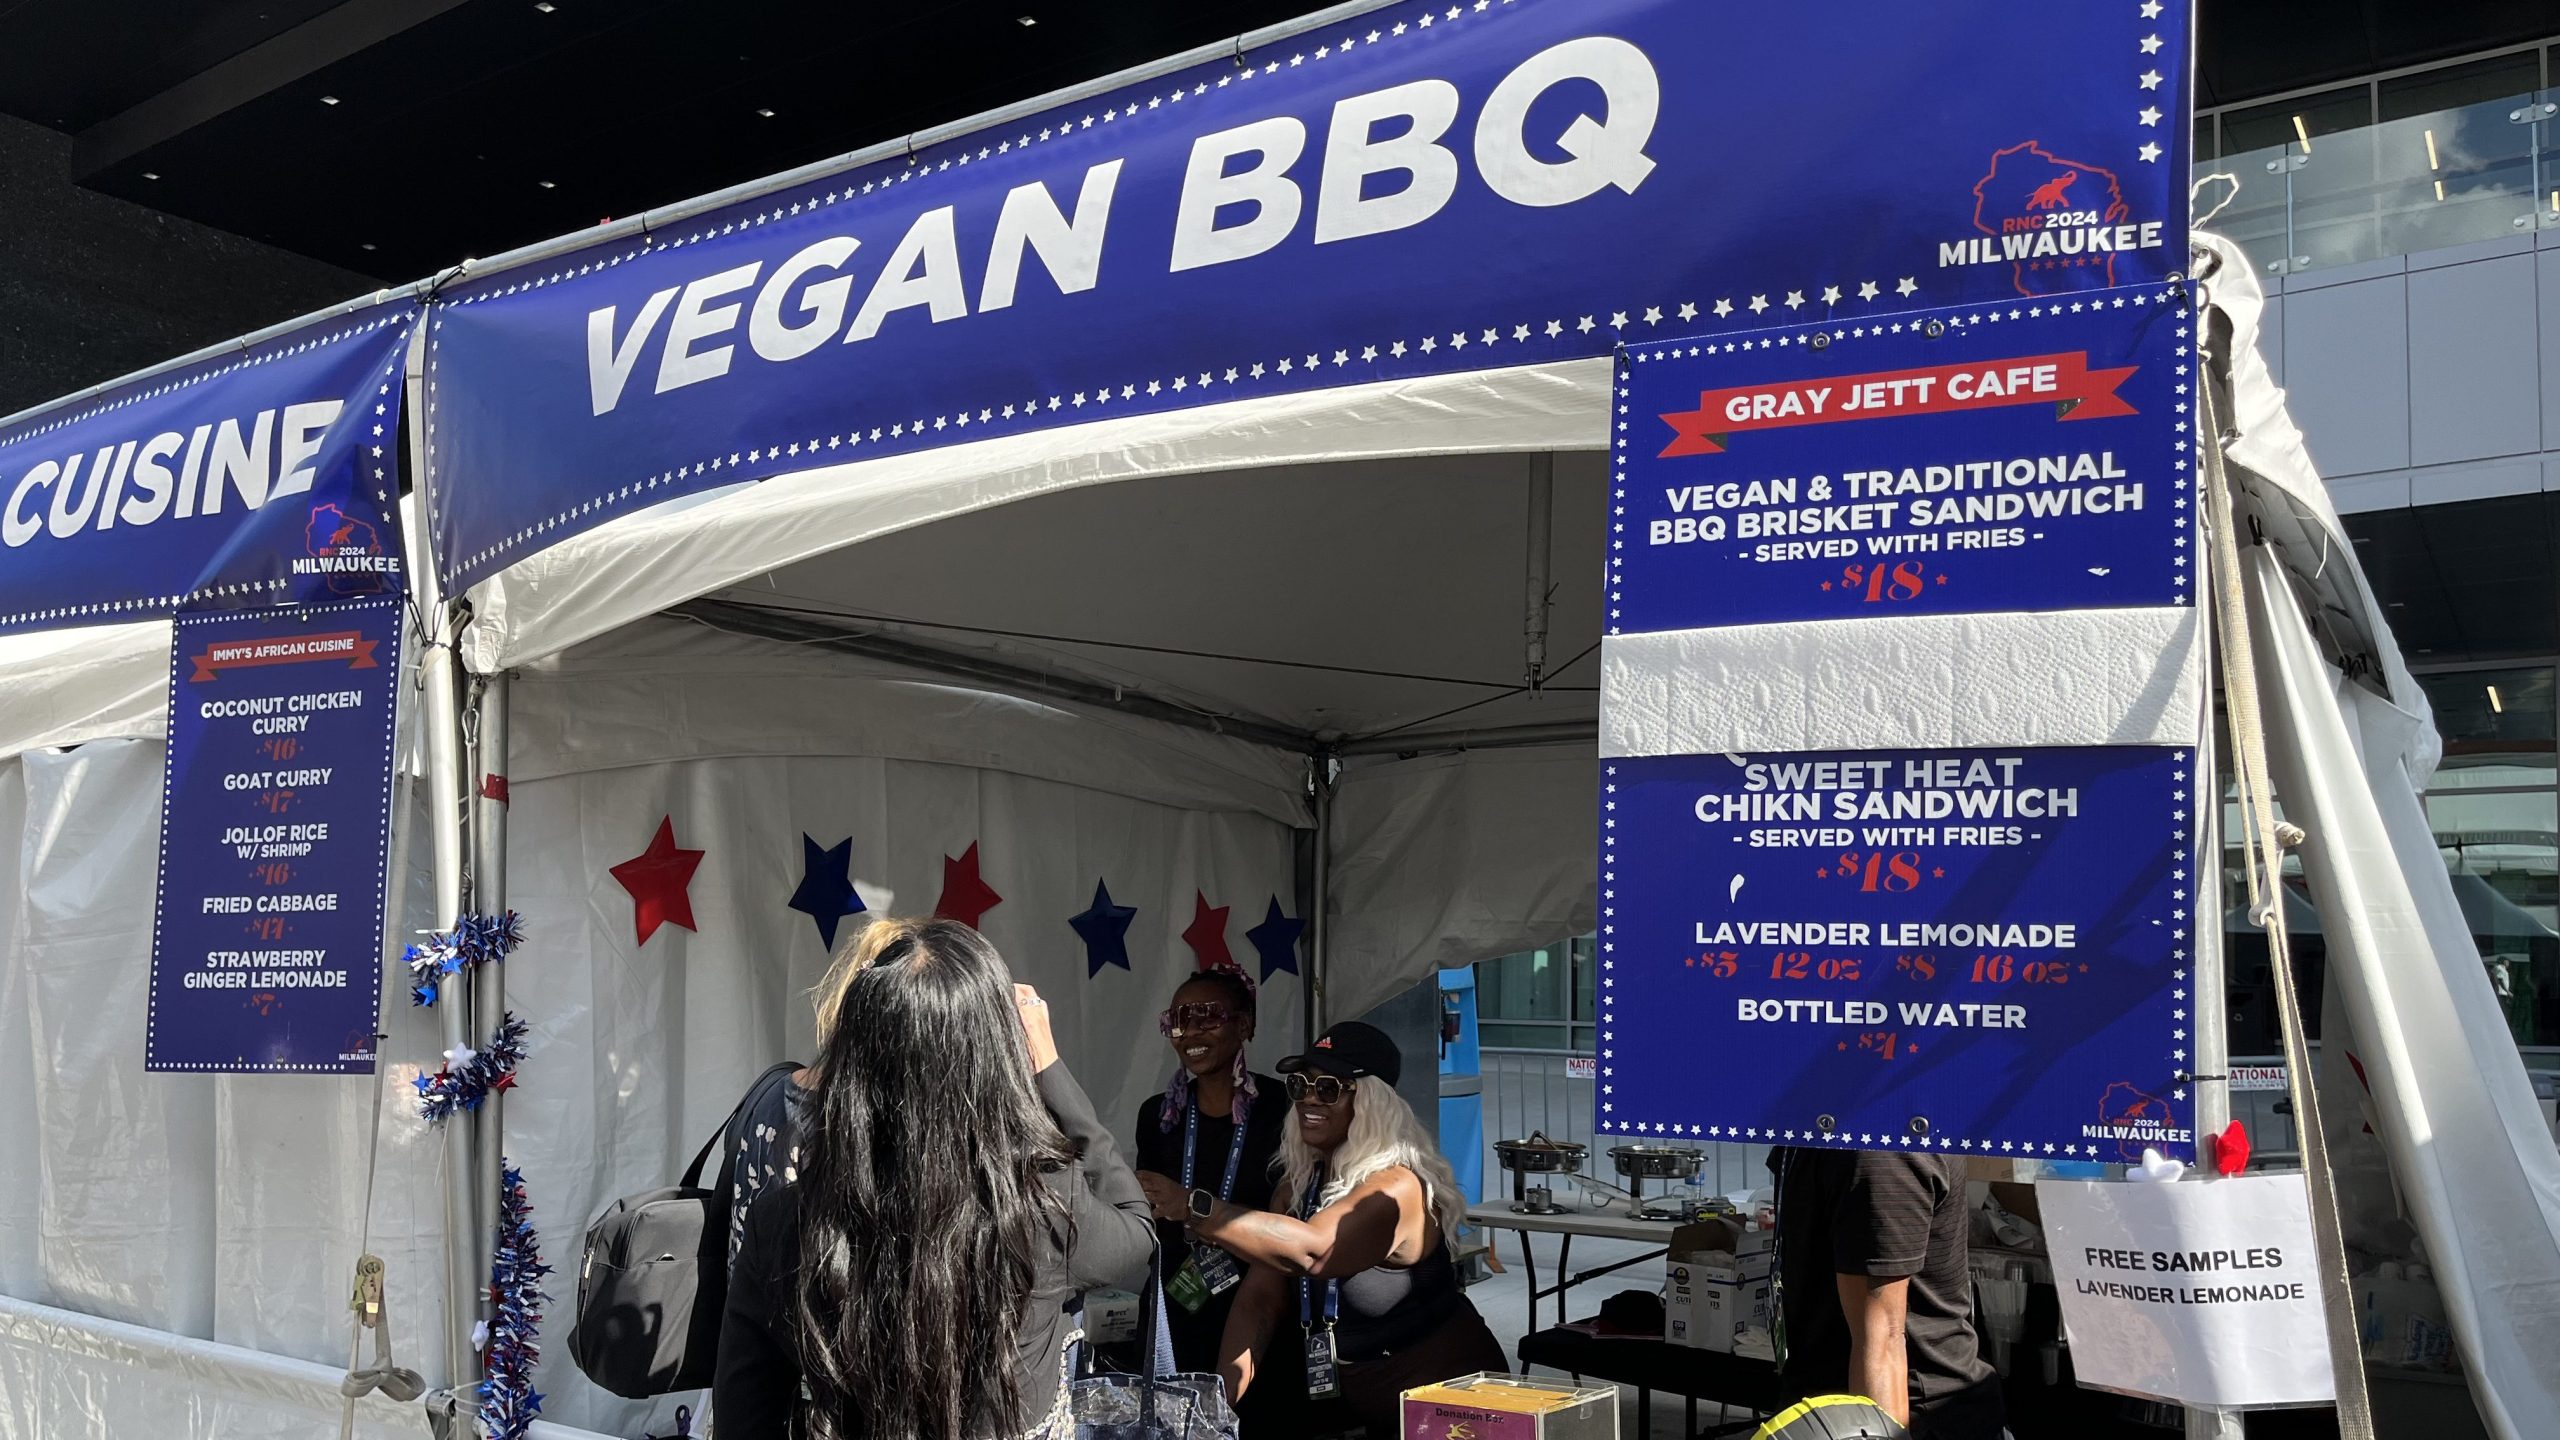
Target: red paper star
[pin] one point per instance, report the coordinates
(1207, 936)
(965, 897)
(657, 878)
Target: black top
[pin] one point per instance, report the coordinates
(763, 1145)
(1386, 1309)
(757, 1392)
(1885, 1216)
(1196, 1333)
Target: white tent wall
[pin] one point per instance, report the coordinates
(1445, 860)
(2436, 1075)
(222, 1213)
(638, 1050)
(62, 687)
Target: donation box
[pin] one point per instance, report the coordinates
(1493, 1406)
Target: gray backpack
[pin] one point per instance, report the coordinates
(655, 1276)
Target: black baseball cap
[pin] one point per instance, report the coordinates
(1351, 1050)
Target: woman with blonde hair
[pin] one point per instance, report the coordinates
(1361, 1258)
(954, 1189)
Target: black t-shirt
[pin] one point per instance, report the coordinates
(1196, 1333)
(1885, 1216)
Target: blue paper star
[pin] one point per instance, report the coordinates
(1105, 931)
(826, 887)
(1276, 941)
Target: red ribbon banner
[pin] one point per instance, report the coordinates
(348, 646)
(2063, 381)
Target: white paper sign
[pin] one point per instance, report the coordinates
(2257, 1077)
(2202, 1293)
(1581, 1067)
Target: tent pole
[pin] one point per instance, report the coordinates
(438, 683)
(1540, 592)
(488, 809)
(444, 794)
(2210, 1010)
(1320, 918)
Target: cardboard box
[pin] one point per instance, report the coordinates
(1721, 1235)
(1705, 1301)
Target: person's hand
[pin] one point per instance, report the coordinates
(1165, 1196)
(1035, 1027)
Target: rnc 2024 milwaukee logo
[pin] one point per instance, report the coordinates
(2057, 224)
(347, 550)
(2133, 1119)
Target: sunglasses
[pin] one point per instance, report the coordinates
(1206, 1015)
(1327, 1089)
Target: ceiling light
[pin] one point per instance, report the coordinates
(368, 245)
(766, 114)
(1026, 19)
(328, 99)
(150, 174)
(2439, 190)
(547, 185)
(2431, 152)
(2301, 134)
(545, 6)
(2495, 704)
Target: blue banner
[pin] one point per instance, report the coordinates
(2020, 457)
(1420, 189)
(1968, 951)
(274, 840)
(265, 477)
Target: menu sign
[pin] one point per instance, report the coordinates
(2020, 457)
(274, 840)
(1967, 951)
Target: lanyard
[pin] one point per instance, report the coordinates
(1308, 1205)
(1242, 1111)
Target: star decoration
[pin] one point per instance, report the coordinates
(1907, 286)
(1275, 940)
(1207, 934)
(1104, 928)
(2149, 152)
(657, 879)
(2150, 79)
(965, 897)
(2150, 115)
(826, 887)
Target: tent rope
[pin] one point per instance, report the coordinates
(2268, 838)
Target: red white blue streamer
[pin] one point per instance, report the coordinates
(474, 940)
(470, 1076)
(508, 1401)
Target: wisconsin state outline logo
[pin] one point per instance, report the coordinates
(2040, 210)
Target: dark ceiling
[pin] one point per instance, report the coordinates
(394, 137)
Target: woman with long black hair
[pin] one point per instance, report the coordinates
(1214, 1134)
(955, 1189)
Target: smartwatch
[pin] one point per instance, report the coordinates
(1203, 1204)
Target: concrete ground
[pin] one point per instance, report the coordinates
(1503, 1301)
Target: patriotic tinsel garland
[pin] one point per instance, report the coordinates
(508, 1401)
(470, 1076)
(474, 940)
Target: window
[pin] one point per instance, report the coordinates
(1539, 999)
(2496, 815)
(2498, 79)
(2298, 122)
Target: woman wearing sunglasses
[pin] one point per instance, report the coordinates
(1353, 1285)
(1215, 1130)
